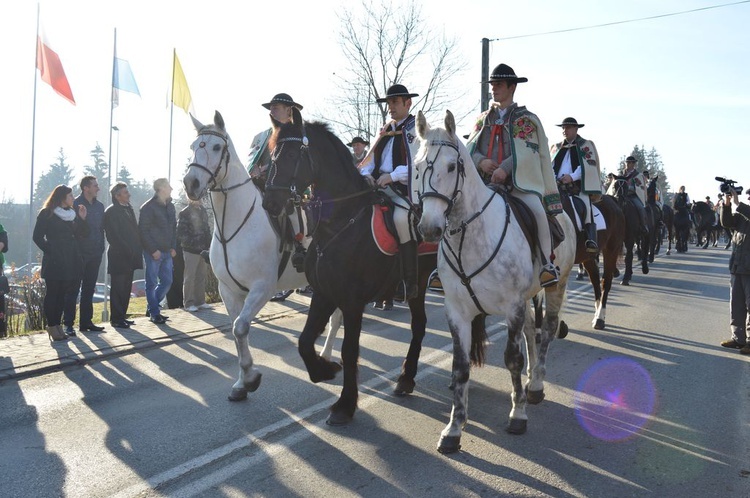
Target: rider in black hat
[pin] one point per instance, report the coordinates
(359, 151)
(509, 145)
(576, 165)
(637, 190)
(389, 166)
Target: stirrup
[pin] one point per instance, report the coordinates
(550, 275)
(591, 246)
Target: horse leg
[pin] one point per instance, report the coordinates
(593, 270)
(249, 376)
(628, 263)
(537, 371)
(645, 243)
(318, 368)
(334, 324)
(728, 236)
(405, 384)
(460, 327)
(514, 362)
(342, 411)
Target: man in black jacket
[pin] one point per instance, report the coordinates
(158, 228)
(194, 235)
(124, 255)
(739, 268)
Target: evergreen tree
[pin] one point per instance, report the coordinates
(124, 176)
(100, 168)
(60, 173)
(650, 161)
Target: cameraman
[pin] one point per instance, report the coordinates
(739, 268)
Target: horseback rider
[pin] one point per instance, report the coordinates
(576, 166)
(259, 157)
(637, 189)
(657, 192)
(359, 151)
(509, 145)
(388, 165)
(681, 200)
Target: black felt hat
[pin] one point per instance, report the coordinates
(282, 98)
(397, 91)
(504, 72)
(358, 140)
(631, 159)
(571, 122)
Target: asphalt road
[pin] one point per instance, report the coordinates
(652, 406)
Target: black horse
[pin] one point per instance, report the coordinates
(654, 211)
(635, 233)
(682, 223)
(707, 226)
(343, 263)
(667, 216)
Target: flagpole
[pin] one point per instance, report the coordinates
(171, 118)
(33, 139)
(105, 309)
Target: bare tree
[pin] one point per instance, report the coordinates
(385, 45)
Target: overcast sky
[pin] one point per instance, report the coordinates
(677, 83)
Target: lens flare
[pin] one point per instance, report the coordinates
(614, 399)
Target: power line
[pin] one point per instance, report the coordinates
(620, 22)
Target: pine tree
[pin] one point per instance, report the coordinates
(100, 168)
(60, 173)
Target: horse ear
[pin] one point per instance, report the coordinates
(450, 123)
(219, 121)
(422, 126)
(198, 125)
(296, 116)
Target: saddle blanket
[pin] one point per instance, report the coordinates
(386, 241)
(598, 219)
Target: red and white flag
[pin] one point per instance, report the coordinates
(50, 67)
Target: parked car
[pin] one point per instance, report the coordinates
(22, 272)
(138, 289)
(99, 292)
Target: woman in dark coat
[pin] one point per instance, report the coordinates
(57, 232)
(125, 253)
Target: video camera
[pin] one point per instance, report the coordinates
(728, 185)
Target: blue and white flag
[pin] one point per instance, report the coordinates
(122, 79)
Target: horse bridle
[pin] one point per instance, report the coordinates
(460, 174)
(220, 228)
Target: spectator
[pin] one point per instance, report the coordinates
(158, 229)
(92, 248)
(57, 233)
(125, 253)
(359, 149)
(739, 269)
(174, 294)
(194, 235)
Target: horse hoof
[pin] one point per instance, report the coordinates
(338, 419)
(669, 252)
(404, 387)
(449, 444)
(625, 282)
(237, 394)
(516, 426)
(562, 332)
(251, 387)
(645, 270)
(579, 276)
(534, 397)
(599, 324)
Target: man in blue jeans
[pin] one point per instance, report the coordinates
(158, 229)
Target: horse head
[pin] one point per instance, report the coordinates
(212, 151)
(291, 166)
(620, 187)
(440, 172)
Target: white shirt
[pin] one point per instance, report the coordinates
(566, 168)
(400, 173)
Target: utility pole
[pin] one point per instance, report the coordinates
(485, 101)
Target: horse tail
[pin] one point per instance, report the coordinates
(478, 341)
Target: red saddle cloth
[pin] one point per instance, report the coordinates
(385, 240)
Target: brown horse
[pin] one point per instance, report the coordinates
(610, 246)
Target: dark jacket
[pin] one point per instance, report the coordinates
(739, 261)
(4, 240)
(93, 245)
(193, 231)
(59, 240)
(158, 226)
(125, 252)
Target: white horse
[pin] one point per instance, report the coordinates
(486, 267)
(244, 252)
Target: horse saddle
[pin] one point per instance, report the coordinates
(288, 241)
(385, 234)
(527, 221)
(575, 209)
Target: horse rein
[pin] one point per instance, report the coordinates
(458, 268)
(220, 228)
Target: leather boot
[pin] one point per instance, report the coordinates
(56, 333)
(408, 253)
(591, 245)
